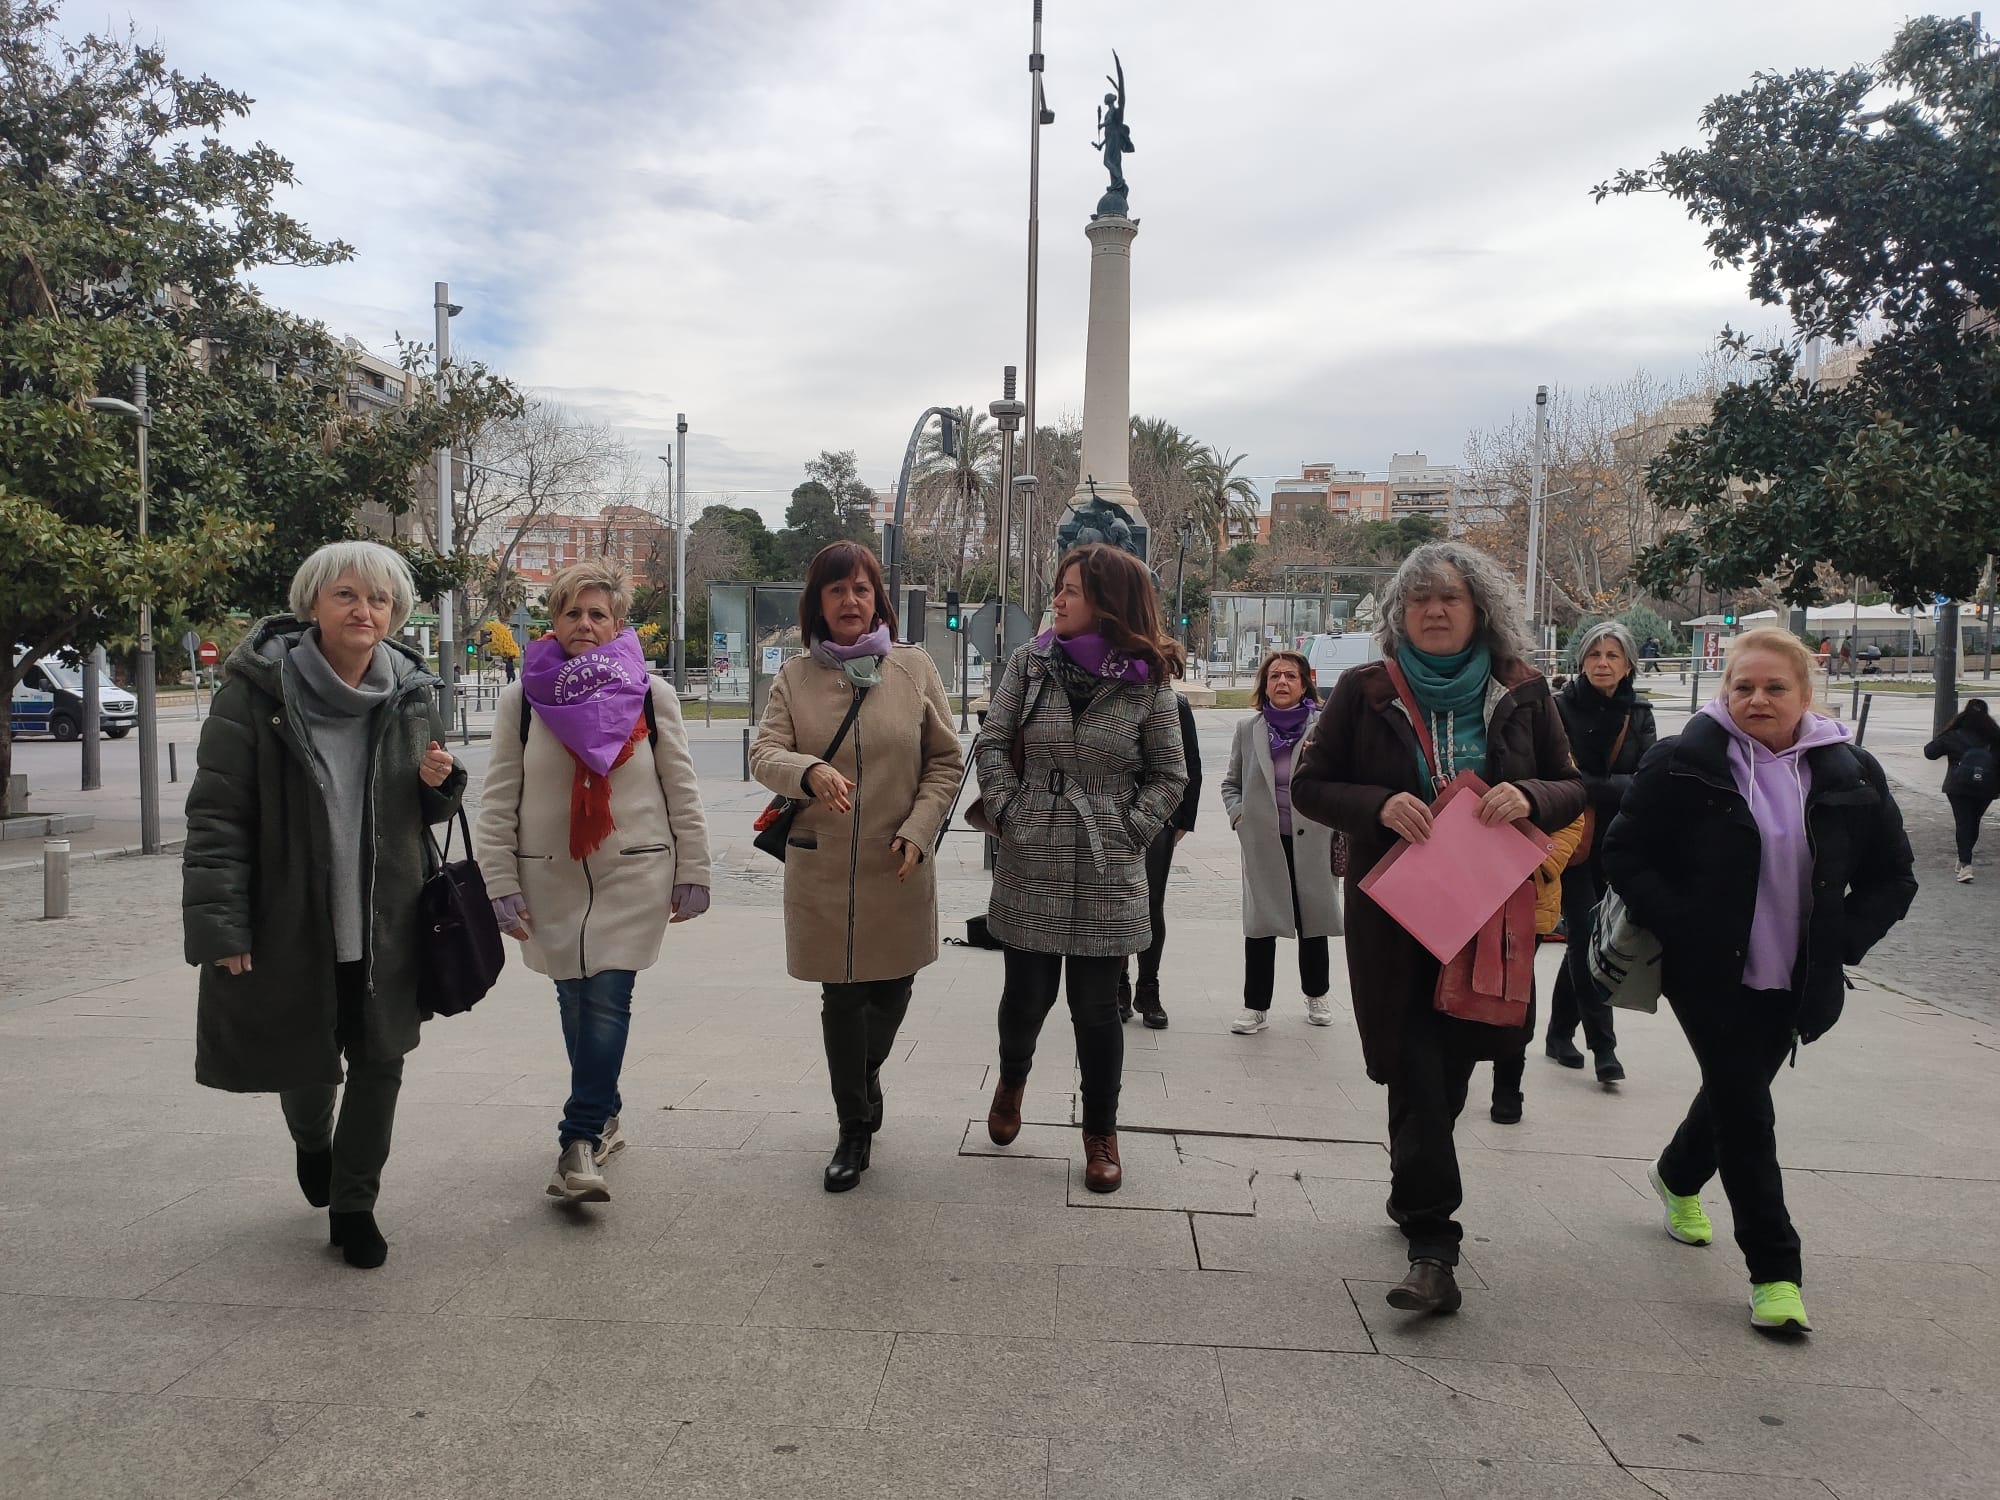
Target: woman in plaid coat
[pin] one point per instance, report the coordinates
(1088, 711)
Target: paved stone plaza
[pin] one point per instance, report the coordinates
(969, 1322)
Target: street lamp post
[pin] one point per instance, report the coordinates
(1537, 481)
(1180, 581)
(149, 718)
(1007, 414)
(672, 510)
(445, 310)
(947, 446)
(1039, 114)
(680, 479)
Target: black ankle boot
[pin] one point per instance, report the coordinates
(1563, 1050)
(850, 1159)
(1146, 1001)
(361, 1243)
(1609, 1068)
(316, 1176)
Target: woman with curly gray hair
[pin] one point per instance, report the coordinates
(1457, 692)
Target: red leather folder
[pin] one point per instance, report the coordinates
(1444, 890)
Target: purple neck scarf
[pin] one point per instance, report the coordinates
(875, 642)
(1097, 656)
(1287, 724)
(589, 701)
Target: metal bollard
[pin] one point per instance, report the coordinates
(55, 879)
(746, 752)
(1861, 724)
(173, 761)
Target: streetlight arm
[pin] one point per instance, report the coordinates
(903, 494)
(123, 408)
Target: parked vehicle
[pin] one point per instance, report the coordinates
(1331, 655)
(49, 700)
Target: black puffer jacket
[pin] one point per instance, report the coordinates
(254, 874)
(1683, 852)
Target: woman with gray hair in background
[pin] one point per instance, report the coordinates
(321, 766)
(1451, 621)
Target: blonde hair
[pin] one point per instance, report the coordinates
(377, 566)
(1771, 638)
(592, 573)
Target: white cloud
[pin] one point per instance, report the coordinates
(1364, 229)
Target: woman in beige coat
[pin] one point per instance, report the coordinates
(860, 890)
(590, 839)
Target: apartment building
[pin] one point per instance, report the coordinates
(1411, 486)
(628, 535)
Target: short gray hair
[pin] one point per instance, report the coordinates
(1496, 599)
(1615, 629)
(377, 566)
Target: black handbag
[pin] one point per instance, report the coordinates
(462, 954)
(774, 823)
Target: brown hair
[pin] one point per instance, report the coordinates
(1117, 586)
(832, 563)
(1257, 694)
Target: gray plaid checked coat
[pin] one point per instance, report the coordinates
(1074, 824)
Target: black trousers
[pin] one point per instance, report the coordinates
(1740, 1041)
(1426, 1094)
(1260, 954)
(1025, 1002)
(360, 1129)
(1966, 813)
(858, 1024)
(1159, 865)
(1575, 998)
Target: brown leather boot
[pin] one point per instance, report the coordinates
(1003, 1120)
(1429, 1288)
(1102, 1172)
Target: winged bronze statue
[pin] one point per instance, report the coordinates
(1116, 140)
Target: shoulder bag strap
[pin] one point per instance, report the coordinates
(846, 724)
(1418, 721)
(1611, 765)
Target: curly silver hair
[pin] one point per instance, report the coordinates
(1496, 599)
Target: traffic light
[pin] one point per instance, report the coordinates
(471, 648)
(952, 619)
(1729, 616)
(1185, 617)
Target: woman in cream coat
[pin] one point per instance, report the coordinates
(590, 839)
(860, 890)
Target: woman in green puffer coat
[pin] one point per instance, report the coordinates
(320, 768)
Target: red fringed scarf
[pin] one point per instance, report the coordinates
(590, 798)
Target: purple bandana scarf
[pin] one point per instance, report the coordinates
(589, 701)
(1096, 656)
(1285, 725)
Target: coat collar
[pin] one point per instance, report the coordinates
(1702, 750)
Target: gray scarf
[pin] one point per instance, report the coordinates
(337, 720)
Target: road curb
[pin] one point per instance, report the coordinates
(123, 851)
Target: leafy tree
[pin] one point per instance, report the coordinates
(1858, 218)
(125, 227)
(955, 497)
(831, 506)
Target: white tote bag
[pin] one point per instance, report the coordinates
(1623, 957)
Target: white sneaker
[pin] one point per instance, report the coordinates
(1250, 1021)
(1963, 874)
(613, 1141)
(1319, 1010)
(576, 1178)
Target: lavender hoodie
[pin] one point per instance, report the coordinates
(1775, 784)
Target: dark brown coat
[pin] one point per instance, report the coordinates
(1363, 752)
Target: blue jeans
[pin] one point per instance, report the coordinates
(596, 1016)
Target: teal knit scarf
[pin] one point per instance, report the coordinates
(1451, 691)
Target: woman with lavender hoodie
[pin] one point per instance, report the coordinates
(1762, 847)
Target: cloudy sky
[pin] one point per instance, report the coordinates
(1365, 228)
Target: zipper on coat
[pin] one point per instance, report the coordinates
(583, 927)
(854, 843)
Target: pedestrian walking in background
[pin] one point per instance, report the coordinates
(1650, 652)
(591, 840)
(1080, 765)
(1610, 730)
(1452, 620)
(1288, 884)
(1159, 865)
(860, 888)
(1762, 848)
(1970, 745)
(320, 769)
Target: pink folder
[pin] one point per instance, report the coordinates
(1443, 891)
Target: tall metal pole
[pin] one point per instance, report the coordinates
(1039, 115)
(1007, 413)
(1944, 668)
(93, 731)
(1537, 483)
(680, 550)
(673, 509)
(902, 497)
(447, 602)
(149, 708)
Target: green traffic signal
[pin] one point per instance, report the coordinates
(952, 618)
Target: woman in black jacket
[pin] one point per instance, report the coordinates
(1159, 865)
(1610, 730)
(1971, 746)
(1764, 851)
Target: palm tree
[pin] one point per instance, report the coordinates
(1163, 459)
(956, 494)
(1221, 495)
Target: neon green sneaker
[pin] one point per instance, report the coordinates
(1686, 1221)
(1776, 1304)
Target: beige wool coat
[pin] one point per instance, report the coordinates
(1250, 794)
(608, 911)
(847, 917)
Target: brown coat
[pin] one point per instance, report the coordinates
(847, 917)
(1363, 752)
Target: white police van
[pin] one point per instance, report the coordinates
(49, 700)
